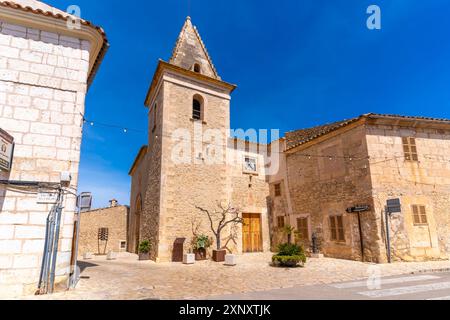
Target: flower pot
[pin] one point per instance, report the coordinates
(189, 258)
(219, 255)
(144, 256)
(200, 254)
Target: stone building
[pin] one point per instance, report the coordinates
(331, 181)
(103, 230)
(190, 160)
(47, 62)
(366, 161)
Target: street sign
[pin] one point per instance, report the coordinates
(393, 206)
(6, 150)
(358, 208)
(44, 197)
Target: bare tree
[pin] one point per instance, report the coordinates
(219, 219)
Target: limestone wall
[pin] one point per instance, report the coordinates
(321, 187)
(42, 93)
(425, 182)
(139, 181)
(114, 218)
(194, 183)
(151, 175)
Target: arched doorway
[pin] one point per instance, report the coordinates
(137, 222)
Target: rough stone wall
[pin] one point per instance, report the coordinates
(139, 181)
(249, 192)
(113, 218)
(279, 205)
(320, 187)
(42, 92)
(426, 182)
(150, 216)
(195, 183)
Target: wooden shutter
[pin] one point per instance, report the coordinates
(333, 228)
(340, 227)
(302, 227)
(410, 149)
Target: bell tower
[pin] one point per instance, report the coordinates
(189, 115)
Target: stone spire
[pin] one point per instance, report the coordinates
(190, 52)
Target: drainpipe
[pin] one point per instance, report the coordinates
(56, 240)
(74, 278)
(388, 237)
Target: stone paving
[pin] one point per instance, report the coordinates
(127, 278)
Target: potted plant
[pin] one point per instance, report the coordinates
(200, 244)
(144, 250)
(289, 255)
(219, 219)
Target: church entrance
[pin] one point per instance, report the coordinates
(251, 233)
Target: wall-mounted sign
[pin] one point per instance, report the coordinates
(358, 208)
(393, 206)
(6, 150)
(44, 197)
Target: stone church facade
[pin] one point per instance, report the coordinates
(321, 173)
(188, 102)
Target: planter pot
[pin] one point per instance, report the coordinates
(219, 255)
(189, 258)
(144, 256)
(230, 260)
(200, 254)
(111, 256)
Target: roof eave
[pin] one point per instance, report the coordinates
(163, 66)
(137, 160)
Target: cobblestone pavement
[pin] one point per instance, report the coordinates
(127, 278)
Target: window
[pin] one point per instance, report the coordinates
(410, 149)
(123, 245)
(337, 228)
(197, 108)
(250, 164)
(197, 68)
(278, 190)
(419, 215)
(302, 228)
(280, 222)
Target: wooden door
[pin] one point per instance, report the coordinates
(251, 233)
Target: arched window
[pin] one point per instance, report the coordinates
(197, 68)
(197, 108)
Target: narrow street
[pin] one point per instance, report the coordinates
(252, 278)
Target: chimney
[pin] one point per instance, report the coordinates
(113, 203)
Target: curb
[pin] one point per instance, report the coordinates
(431, 271)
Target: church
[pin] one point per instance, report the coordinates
(331, 182)
(189, 110)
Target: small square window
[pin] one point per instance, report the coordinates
(250, 164)
(123, 245)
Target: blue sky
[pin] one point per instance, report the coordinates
(297, 64)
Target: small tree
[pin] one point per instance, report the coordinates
(288, 231)
(219, 219)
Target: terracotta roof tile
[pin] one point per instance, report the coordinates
(302, 136)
